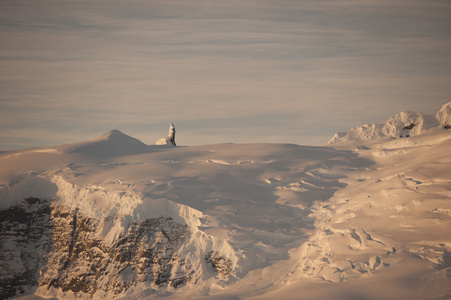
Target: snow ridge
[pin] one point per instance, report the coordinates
(402, 125)
(111, 144)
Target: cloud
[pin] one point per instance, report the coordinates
(79, 66)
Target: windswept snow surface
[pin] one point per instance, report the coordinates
(362, 220)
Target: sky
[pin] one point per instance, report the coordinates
(235, 71)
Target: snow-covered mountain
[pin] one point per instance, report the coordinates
(115, 218)
(404, 124)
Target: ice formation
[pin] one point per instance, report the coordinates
(170, 139)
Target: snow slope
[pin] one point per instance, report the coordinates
(363, 220)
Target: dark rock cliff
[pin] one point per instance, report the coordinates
(44, 245)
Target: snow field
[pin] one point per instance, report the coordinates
(288, 220)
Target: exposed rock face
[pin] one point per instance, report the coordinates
(49, 247)
(220, 264)
(25, 235)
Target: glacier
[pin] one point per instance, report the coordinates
(365, 217)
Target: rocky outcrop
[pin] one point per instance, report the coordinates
(25, 235)
(51, 248)
(221, 264)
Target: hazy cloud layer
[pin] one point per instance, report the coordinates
(222, 71)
